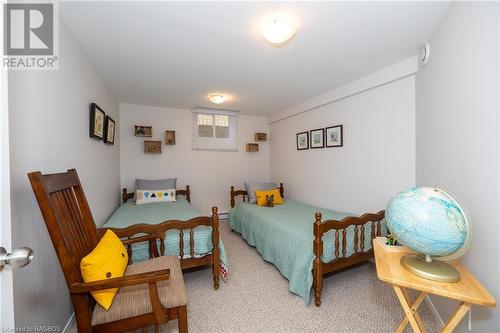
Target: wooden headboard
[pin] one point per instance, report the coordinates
(187, 193)
(244, 193)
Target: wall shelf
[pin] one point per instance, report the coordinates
(252, 147)
(260, 137)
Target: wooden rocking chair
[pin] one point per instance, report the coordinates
(152, 292)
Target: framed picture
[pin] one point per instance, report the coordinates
(252, 147)
(143, 131)
(303, 141)
(260, 137)
(152, 147)
(334, 136)
(97, 118)
(109, 131)
(170, 137)
(318, 138)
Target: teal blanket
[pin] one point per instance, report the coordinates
(284, 236)
(154, 213)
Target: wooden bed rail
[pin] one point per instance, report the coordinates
(340, 240)
(234, 194)
(187, 193)
(153, 233)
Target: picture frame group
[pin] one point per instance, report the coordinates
(153, 146)
(101, 127)
(328, 137)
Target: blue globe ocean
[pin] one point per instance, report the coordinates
(428, 221)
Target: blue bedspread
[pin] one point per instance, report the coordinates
(154, 213)
(284, 236)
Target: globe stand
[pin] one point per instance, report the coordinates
(429, 269)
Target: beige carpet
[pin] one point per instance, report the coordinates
(256, 299)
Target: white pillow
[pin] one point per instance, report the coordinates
(149, 196)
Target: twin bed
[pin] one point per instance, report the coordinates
(303, 241)
(170, 228)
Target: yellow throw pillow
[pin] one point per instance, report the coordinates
(108, 260)
(262, 197)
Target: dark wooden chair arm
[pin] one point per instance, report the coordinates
(125, 281)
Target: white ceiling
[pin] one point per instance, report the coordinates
(174, 54)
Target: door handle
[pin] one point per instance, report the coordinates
(19, 257)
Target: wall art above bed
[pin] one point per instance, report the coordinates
(109, 131)
(252, 147)
(152, 147)
(334, 136)
(260, 137)
(97, 118)
(170, 137)
(143, 131)
(329, 137)
(317, 138)
(303, 141)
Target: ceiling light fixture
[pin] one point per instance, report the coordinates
(217, 98)
(278, 30)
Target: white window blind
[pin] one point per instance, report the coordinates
(215, 129)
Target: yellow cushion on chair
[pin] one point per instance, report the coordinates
(261, 197)
(108, 260)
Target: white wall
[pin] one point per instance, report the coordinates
(49, 125)
(377, 159)
(457, 133)
(210, 173)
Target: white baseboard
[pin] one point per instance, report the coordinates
(434, 311)
(223, 216)
(69, 324)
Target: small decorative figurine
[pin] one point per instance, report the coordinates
(270, 200)
(391, 240)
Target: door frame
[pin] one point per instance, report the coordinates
(6, 280)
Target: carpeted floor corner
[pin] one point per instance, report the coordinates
(256, 299)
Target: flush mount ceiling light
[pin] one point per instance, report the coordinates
(217, 98)
(278, 30)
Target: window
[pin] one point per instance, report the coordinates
(221, 126)
(215, 129)
(205, 125)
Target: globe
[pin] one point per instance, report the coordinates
(433, 224)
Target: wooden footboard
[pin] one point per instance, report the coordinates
(372, 221)
(153, 233)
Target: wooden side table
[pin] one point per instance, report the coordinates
(468, 290)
